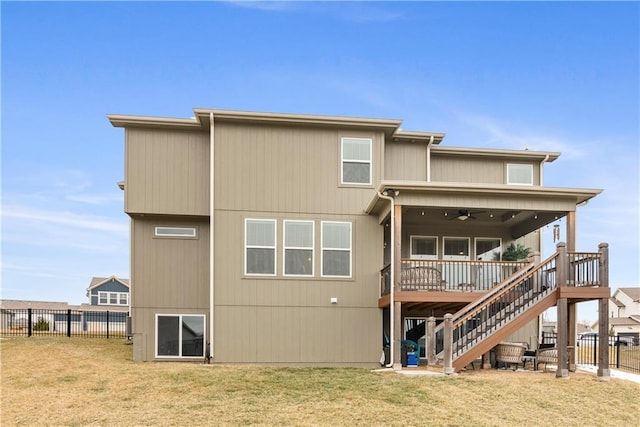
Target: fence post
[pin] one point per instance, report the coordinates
(431, 341)
(107, 324)
(29, 322)
(69, 323)
(448, 344)
(617, 341)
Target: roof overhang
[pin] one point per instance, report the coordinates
(201, 121)
(525, 155)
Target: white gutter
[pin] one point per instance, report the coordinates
(392, 270)
(211, 226)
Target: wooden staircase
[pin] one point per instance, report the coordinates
(481, 325)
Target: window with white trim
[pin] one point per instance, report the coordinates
(336, 249)
(519, 174)
(298, 248)
(113, 298)
(424, 247)
(356, 161)
(189, 232)
(260, 247)
(180, 335)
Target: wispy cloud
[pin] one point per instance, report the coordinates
(494, 133)
(68, 219)
(96, 199)
(262, 5)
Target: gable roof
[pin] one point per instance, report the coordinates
(97, 281)
(624, 321)
(633, 293)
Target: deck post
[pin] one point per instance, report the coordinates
(448, 344)
(397, 306)
(431, 341)
(562, 268)
(603, 315)
(572, 334)
(562, 340)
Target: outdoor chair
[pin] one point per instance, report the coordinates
(510, 353)
(546, 355)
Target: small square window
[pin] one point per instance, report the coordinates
(519, 174)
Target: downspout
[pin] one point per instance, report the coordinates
(541, 245)
(392, 270)
(211, 226)
(429, 159)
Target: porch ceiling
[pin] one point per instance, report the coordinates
(518, 208)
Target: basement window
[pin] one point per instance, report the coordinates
(180, 335)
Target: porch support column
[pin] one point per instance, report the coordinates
(571, 231)
(603, 315)
(397, 306)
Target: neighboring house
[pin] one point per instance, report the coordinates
(108, 291)
(624, 313)
(318, 240)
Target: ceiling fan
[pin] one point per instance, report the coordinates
(466, 214)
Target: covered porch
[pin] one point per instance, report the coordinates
(444, 245)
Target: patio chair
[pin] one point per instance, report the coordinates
(510, 353)
(546, 355)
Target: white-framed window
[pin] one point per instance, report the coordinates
(455, 248)
(356, 161)
(336, 249)
(488, 249)
(424, 247)
(180, 335)
(298, 248)
(260, 247)
(184, 232)
(519, 174)
(113, 298)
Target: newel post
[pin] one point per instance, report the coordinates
(448, 343)
(603, 315)
(561, 264)
(431, 341)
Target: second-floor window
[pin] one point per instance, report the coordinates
(519, 174)
(356, 161)
(260, 247)
(113, 298)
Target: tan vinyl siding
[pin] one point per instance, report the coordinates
(479, 170)
(287, 169)
(291, 320)
(166, 172)
(170, 273)
(405, 161)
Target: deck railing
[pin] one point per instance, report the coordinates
(443, 275)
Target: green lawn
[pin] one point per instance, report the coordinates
(83, 381)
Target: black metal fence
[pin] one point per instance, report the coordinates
(624, 352)
(93, 324)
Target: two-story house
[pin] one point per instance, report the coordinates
(624, 313)
(318, 240)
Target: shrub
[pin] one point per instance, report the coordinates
(41, 325)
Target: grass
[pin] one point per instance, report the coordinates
(77, 382)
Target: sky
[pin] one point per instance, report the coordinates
(552, 76)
